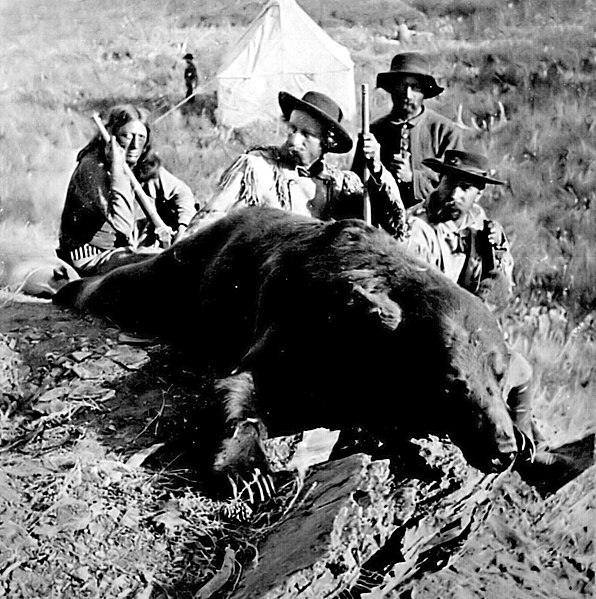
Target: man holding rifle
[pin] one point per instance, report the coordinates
(296, 177)
(411, 131)
(103, 223)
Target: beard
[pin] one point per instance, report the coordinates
(406, 109)
(439, 211)
(292, 156)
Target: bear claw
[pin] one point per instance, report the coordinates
(258, 489)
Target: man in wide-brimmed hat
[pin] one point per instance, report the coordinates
(411, 131)
(454, 234)
(296, 177)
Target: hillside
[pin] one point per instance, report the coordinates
(78, 518)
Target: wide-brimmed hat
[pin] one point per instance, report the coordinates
(467, 166)
(188, 56)
(409, 63)
(324, 110)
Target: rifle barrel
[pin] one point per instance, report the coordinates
(365, 131)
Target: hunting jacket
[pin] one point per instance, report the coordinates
(263, 177)
(101, 210)
(430, 135)
(463, 254)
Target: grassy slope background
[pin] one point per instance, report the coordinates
(59, 62)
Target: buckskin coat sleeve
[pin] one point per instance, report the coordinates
(253, 179)
(387, 209)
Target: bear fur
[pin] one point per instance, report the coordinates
(318, 324)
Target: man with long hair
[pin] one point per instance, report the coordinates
(101, 224)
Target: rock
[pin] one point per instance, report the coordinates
(362, 528)
(340, 524)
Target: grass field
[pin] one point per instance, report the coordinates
(61, 61)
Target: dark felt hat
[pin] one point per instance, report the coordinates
(323, 109)
(188, 56)
(413, 64)
(467, 166)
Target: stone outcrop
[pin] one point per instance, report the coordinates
(361, 527)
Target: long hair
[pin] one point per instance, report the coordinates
(116, 118)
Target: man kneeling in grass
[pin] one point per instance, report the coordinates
(454, 234)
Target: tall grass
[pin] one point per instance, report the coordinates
(62, 62)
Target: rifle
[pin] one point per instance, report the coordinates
(162, 231)
(365, 131)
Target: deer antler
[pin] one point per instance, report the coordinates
(491, 123)
(459, 120)
(497, 123)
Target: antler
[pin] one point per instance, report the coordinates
(491, 123)
(459, 120)
(497, 123)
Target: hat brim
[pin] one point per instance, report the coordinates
(446, 169)
(342, 139)
(388, 79)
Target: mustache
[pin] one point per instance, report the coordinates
(291, 155)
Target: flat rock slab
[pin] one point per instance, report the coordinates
(361, 528)
(346, 516)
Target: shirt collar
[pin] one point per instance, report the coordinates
(410, 122)
(318, 170)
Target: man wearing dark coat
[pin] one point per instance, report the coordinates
(191, 77)
(411, 132)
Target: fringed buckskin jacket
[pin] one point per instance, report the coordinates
(263, 176)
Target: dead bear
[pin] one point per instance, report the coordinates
(333, 322)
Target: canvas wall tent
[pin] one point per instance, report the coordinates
(282, 49)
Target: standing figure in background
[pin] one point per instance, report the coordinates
(411, 131)
(296, 177)
(191, 77)
(102, 225)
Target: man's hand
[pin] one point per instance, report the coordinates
(494, 234)
(401, 167)
(372, 152)
(179, 233)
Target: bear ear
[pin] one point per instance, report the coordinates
(379, 305)
(60, 273)
(63, 273)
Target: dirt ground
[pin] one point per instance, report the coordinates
(97, 498)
